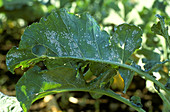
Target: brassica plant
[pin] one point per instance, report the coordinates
(72, 49)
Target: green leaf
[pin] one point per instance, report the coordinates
(161, 29)
(161, 5)
(151, 60)
(36, 84)
(97, 68)
(152, 41)
(127, 76)
(125, 41)
(113, 5)
(20, 57)
(65, 35)
(128, 7)
(136, 101)
(149, 54)
(67, 44)
(151, 66)
(62, 35)
(103, 81)
(156, 28)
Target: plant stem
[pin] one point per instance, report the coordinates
(165, 100)
(140, 72)
(106, 92)
(144, 74)
(147, 76)
(118, 97)
(97, 105)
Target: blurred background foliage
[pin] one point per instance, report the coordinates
(16, 15)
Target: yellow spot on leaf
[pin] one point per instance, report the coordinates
(118, 82)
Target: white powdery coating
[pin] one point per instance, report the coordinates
(13, 56)
(75, 50)
(130, 45)
(53, 38)
(134, 33)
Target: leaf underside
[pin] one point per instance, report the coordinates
(69, 45)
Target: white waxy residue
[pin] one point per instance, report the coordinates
(75, 51)
(130, 45)
(13, 56)
(53, 38)
(134, 33)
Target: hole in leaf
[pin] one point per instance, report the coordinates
(39, 50)
(41, 65)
